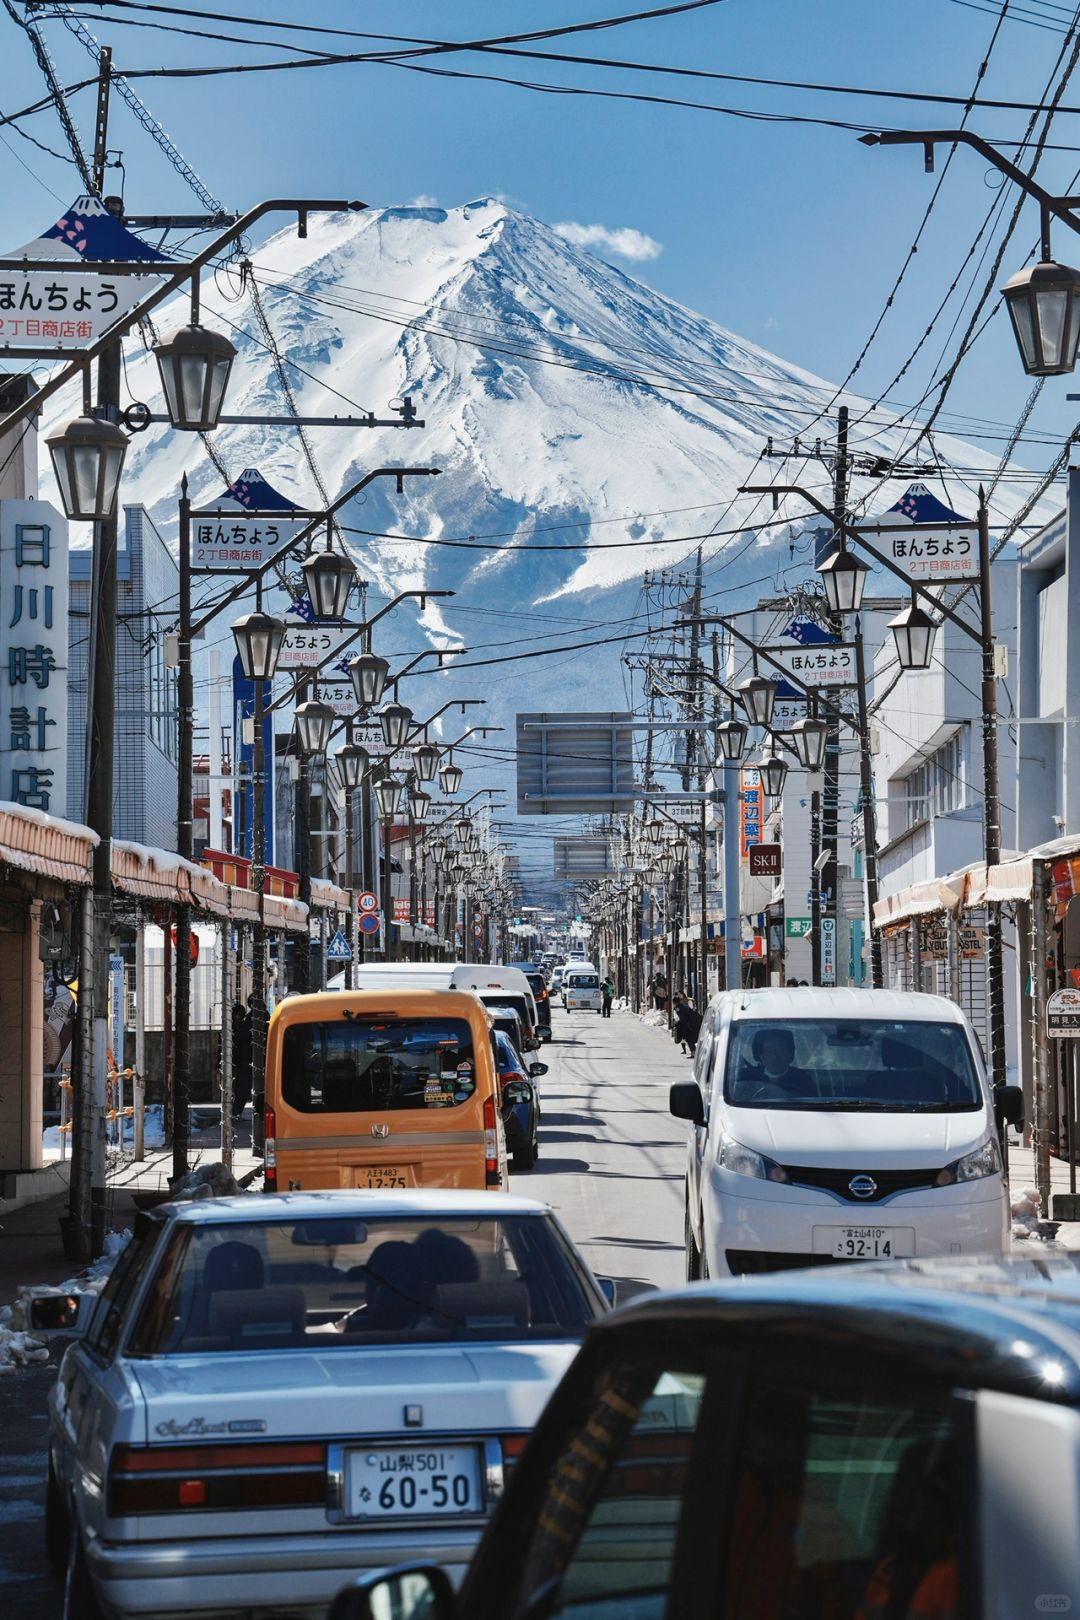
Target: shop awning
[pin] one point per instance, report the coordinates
(46, 845)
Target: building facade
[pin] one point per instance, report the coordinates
(145, 747)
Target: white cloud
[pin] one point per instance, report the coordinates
(624, 242)
(424, 201)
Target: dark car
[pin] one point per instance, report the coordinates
(508, 1021)
(521, 1101)
(898, 1439)
(520, 1005)
(542, 996)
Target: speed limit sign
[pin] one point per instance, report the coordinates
(368, 901)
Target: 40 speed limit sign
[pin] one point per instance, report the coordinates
(367, 902)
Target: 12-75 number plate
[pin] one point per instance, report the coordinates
(414, 1482)
(865, 1242)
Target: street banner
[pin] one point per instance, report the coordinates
(928, 551)
(828, 950)
(261, 528)
(832, 665)
(69, 306)
(751, 807)
(308, 644)
(244, 754)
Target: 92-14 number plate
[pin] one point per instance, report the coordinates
(414, 1482)
(865, 1242)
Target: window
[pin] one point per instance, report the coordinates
(122, 1284)
(606, 1526)
(938, 786)
(883, 1064)
(849, 1506)
(338, 1282)
(377, 1065)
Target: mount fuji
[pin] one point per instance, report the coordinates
(569, 407)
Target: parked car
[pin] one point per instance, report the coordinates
(839, 1125)
(542, 997)
(274, 1392)
(844, 1444)
(498, 985)
(581, 989)
(521, 1102)
(555, 983)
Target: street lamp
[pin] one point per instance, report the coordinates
(329, 577)
(420, 804)
(843, 575)
(463, 828)
(731, 737)
(450, 778)
(368, 674)
(352, 763)
(194, 365)
(808, 736)
(389, 793)
(1042, 303)
(425, 758)
(258, 644)
(773, 770)
(757, 694)
(314, 723)
(654, 831)
(395, 720)
(914, 632)
(87, 456)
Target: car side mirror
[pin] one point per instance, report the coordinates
(517, 1091)
(60, 1313)
(685, 1102)
(608, 1289)
(410, 1592)
(538, 1069)
(532, 1044)
(1009, 1105)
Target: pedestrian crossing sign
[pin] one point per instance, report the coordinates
(339, 949)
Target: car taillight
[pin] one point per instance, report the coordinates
(165, 1479)
(512, 1447)
(270, 1151)
(492, 1177)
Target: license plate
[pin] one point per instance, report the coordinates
(865, 1242)
(386, 1175)
(414, 1482)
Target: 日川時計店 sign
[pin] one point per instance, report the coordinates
(34, 655)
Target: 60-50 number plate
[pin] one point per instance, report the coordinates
(414, 1482)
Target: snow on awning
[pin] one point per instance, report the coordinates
(327, 896)
(35, 842)
(921, 900)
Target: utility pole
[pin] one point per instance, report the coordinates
(827, 880)
(87, 1190)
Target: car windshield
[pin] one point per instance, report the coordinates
(851, 1065)
(338, 1281)
(355, 1065)
(583, 981)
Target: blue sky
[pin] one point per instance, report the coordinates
(788, 234)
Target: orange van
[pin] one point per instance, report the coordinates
(382, 1088)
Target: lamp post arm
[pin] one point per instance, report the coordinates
(171, 284)
(1061, 207)
(859, 537)
(308, 530)
(420, 727)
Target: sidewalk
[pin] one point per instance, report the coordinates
(1022, 1175)
(30, 1246)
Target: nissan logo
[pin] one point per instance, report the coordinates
(862, 1186)
(382, 1131)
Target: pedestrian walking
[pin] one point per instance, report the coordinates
(687, 1023)
(607, 992)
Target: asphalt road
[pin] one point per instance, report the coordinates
(611, 1163)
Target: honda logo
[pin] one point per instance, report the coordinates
(381, 1131)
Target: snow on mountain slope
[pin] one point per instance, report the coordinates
(559, 395)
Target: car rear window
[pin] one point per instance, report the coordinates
(377, 1064)
(335, 1282)
(583, 981)
(518, 1003)
(850, 1065)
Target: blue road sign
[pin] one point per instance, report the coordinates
(339, 949)
(369, 922)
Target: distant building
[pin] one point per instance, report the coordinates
(145, 752)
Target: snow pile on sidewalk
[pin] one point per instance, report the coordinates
(655, 1019)
(1028, 1224)
(206, 1181)
(18, 1347)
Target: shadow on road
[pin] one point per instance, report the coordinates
(557, 1167)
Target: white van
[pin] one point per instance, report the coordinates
(833, 1125)
(499, 985)
(402, 975)
(581, 988)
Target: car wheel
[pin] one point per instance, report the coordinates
(694, 1258)
(57, 1525)
(82, 1600)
